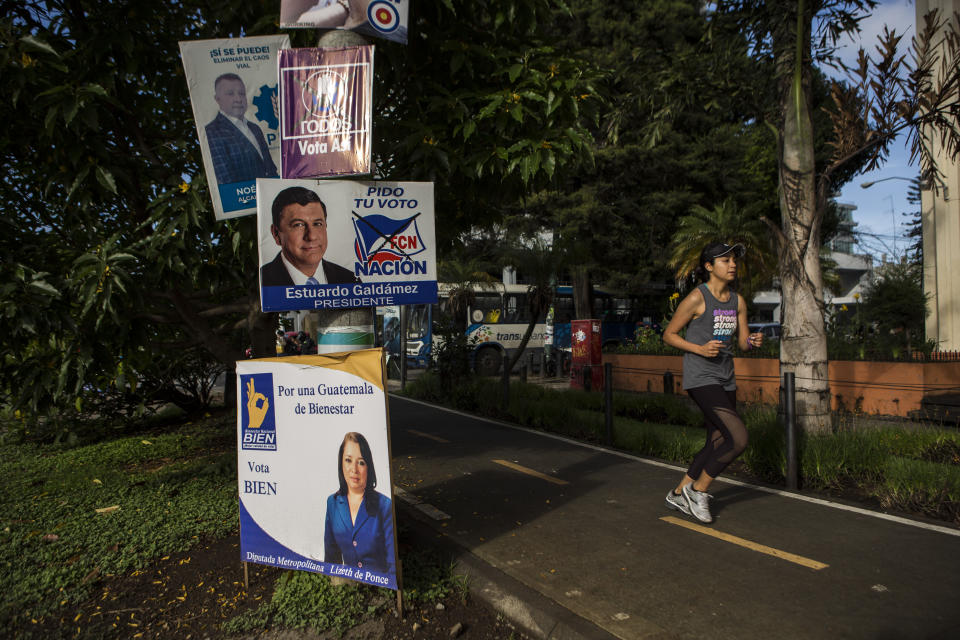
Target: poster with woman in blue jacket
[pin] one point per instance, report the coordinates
(314, 466)
(359, 525)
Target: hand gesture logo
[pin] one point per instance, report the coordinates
(257, 406)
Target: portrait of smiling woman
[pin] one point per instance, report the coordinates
(359, 522)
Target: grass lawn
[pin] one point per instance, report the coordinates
(136, 537)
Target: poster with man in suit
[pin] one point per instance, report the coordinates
(335, 244)
(233, 91)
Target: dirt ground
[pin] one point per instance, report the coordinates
(188, 596)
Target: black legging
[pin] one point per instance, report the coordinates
(726, 433)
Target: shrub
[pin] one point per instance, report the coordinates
(304, 600)
(932, 488)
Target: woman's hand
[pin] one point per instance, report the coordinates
(755, 340)
(710, 349)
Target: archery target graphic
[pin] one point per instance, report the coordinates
(383, 16)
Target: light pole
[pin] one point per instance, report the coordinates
(867, 185)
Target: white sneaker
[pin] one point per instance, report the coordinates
(677, 502)
(698, 502)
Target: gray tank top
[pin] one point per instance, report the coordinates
(718, 322)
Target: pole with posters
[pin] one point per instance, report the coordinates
(345, 320)
(314, 466)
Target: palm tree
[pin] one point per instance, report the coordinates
(730, 223)
(462, 278)
(539, 262)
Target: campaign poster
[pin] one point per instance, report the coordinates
(326, 106)
(233, 91)
(386, 19)
(336, 244)
(313, 466)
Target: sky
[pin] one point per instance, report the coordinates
(880, 207)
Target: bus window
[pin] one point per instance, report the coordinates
(515, 309)
(417, 322)
(623, 310)
(601, 307)
(562, 309)
(486, 308)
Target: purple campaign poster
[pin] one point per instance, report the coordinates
(326, 98)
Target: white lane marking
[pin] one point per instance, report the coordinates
(738, 483)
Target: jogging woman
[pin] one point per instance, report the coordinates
(714, 315)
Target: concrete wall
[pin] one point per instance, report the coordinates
(941, 226)
(881, 388)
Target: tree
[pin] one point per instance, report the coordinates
(673, 132)
(463, 278)
(895, 302)
(538, 263)
(888, 95)
(914, 227)
(114, 252)
(728, 223)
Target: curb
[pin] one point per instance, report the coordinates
(529, 610)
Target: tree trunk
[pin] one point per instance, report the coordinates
(582, 293)
(803, 346)
(526, 338)
(262, 327)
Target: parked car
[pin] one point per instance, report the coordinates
(770, 330)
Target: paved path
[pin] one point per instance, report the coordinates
(587, 528)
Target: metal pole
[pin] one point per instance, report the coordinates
(667, 382)
(608, 399)
(505, 378)
(404, 318)
(790, 395)
(523, 374)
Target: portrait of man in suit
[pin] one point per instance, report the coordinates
(300, 230)
(237, 146)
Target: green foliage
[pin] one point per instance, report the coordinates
(895, 301)
(451, 354)
(676, 129)
(668, 442)
(918, 485)
(765, 455)
(170, 489)
(303, 600)
(110, 223)
(115, 255)
(730, 223)
(429, 577)
(484, 103)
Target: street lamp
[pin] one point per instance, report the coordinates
(867, 185)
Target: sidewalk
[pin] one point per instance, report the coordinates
(579, 530)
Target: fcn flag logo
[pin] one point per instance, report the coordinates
(386, 246)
